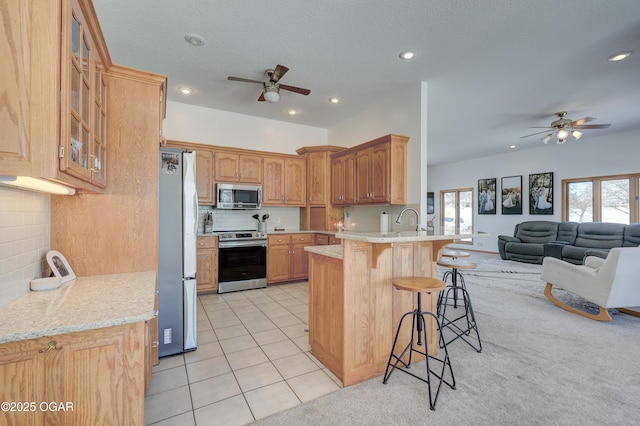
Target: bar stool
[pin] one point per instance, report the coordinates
(454, 254)
(419, 285)
(454, 291)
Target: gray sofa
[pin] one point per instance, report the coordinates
(568, 241)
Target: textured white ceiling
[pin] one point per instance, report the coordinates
(493, 67)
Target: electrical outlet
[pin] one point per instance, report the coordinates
(167, 336)
(479, 243)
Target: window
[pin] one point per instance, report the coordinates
(456, 214)
(602, 199)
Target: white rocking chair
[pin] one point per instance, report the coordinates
(613, 282)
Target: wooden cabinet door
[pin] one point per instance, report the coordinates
(207, 264)
(273, 187)
(349, 197)
(15, 149)
(299, 257)
(380, 173)
(250, 168)
(226, 167)
(295, 180)
(278, 263)
(204, 177)
(337, 181)
(317, 171)
(363, 176)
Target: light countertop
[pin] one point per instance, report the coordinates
(405, 236)
(272, 232)
(85, 303)
(334, 250)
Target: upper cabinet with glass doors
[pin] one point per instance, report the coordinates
(82, 150)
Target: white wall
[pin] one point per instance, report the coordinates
(591, 156)
(190, 123)
(404, 113)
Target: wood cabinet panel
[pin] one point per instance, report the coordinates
(295, 182)
(318, 183)
(207, 264)
(273, 189)
(371, 173)
(286, 258)
(15, 139)
(278, 263)
(101, 372)
(204, 177)
(284, 181)
(234, 167)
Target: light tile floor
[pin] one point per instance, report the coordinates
(252, 361)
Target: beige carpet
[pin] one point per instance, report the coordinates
(540, 365)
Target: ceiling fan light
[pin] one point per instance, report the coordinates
(562, 135)
(546, 139)
(576, 134)
(271, 94)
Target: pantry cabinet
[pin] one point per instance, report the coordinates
(234, 167)
(286, 258)
(97, 375)
(371, 173)
(207, 264)
(284, 181)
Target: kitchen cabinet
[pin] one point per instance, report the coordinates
(284, 181)
(324, 239)
(207, 264)
(286, 258)
(235, 167)
(83, 88)
(319, 214)
(371, 173)
(49, 59)
(94, 376)
(343, 180)
(205, 187)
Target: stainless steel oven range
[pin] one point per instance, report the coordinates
(242, 260)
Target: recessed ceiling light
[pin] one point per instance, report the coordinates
(619, 56)
(185, 90)
(334, 100)
(512, 146)
(407, 54)
(292, 112)
(194, 39)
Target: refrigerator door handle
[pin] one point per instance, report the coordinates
(190, 315)
(190, 212)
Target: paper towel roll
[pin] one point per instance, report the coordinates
(384, 223)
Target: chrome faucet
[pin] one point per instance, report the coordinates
(399, 219)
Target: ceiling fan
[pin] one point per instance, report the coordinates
(271, 88)
(563, 127)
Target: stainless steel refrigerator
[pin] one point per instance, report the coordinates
(177, 252)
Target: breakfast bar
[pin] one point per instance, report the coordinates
(353, 308)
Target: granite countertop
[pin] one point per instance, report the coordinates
(272, 232)
(334, 250)
(405, 236)
(85, 303)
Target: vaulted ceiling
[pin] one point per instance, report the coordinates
(493, 67)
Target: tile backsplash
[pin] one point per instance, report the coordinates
(225, 220)
(25, 238)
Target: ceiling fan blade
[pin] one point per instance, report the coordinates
(580, 121)
(592, 126)
(540, 127)
(261, 98)
(537, 133)
(280, 71)
(246, 80)
(295, 89)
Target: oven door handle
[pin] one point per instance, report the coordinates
(247, 243)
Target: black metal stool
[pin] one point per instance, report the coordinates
(457, 291)
(419, 285)
(454, 254)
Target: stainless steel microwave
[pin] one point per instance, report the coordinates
(231, 196)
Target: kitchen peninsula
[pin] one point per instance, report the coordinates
(353, 308)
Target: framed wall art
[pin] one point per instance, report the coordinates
(487, 196)
(541, 193)
(511, 195)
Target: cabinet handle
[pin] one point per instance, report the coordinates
(51, 346)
